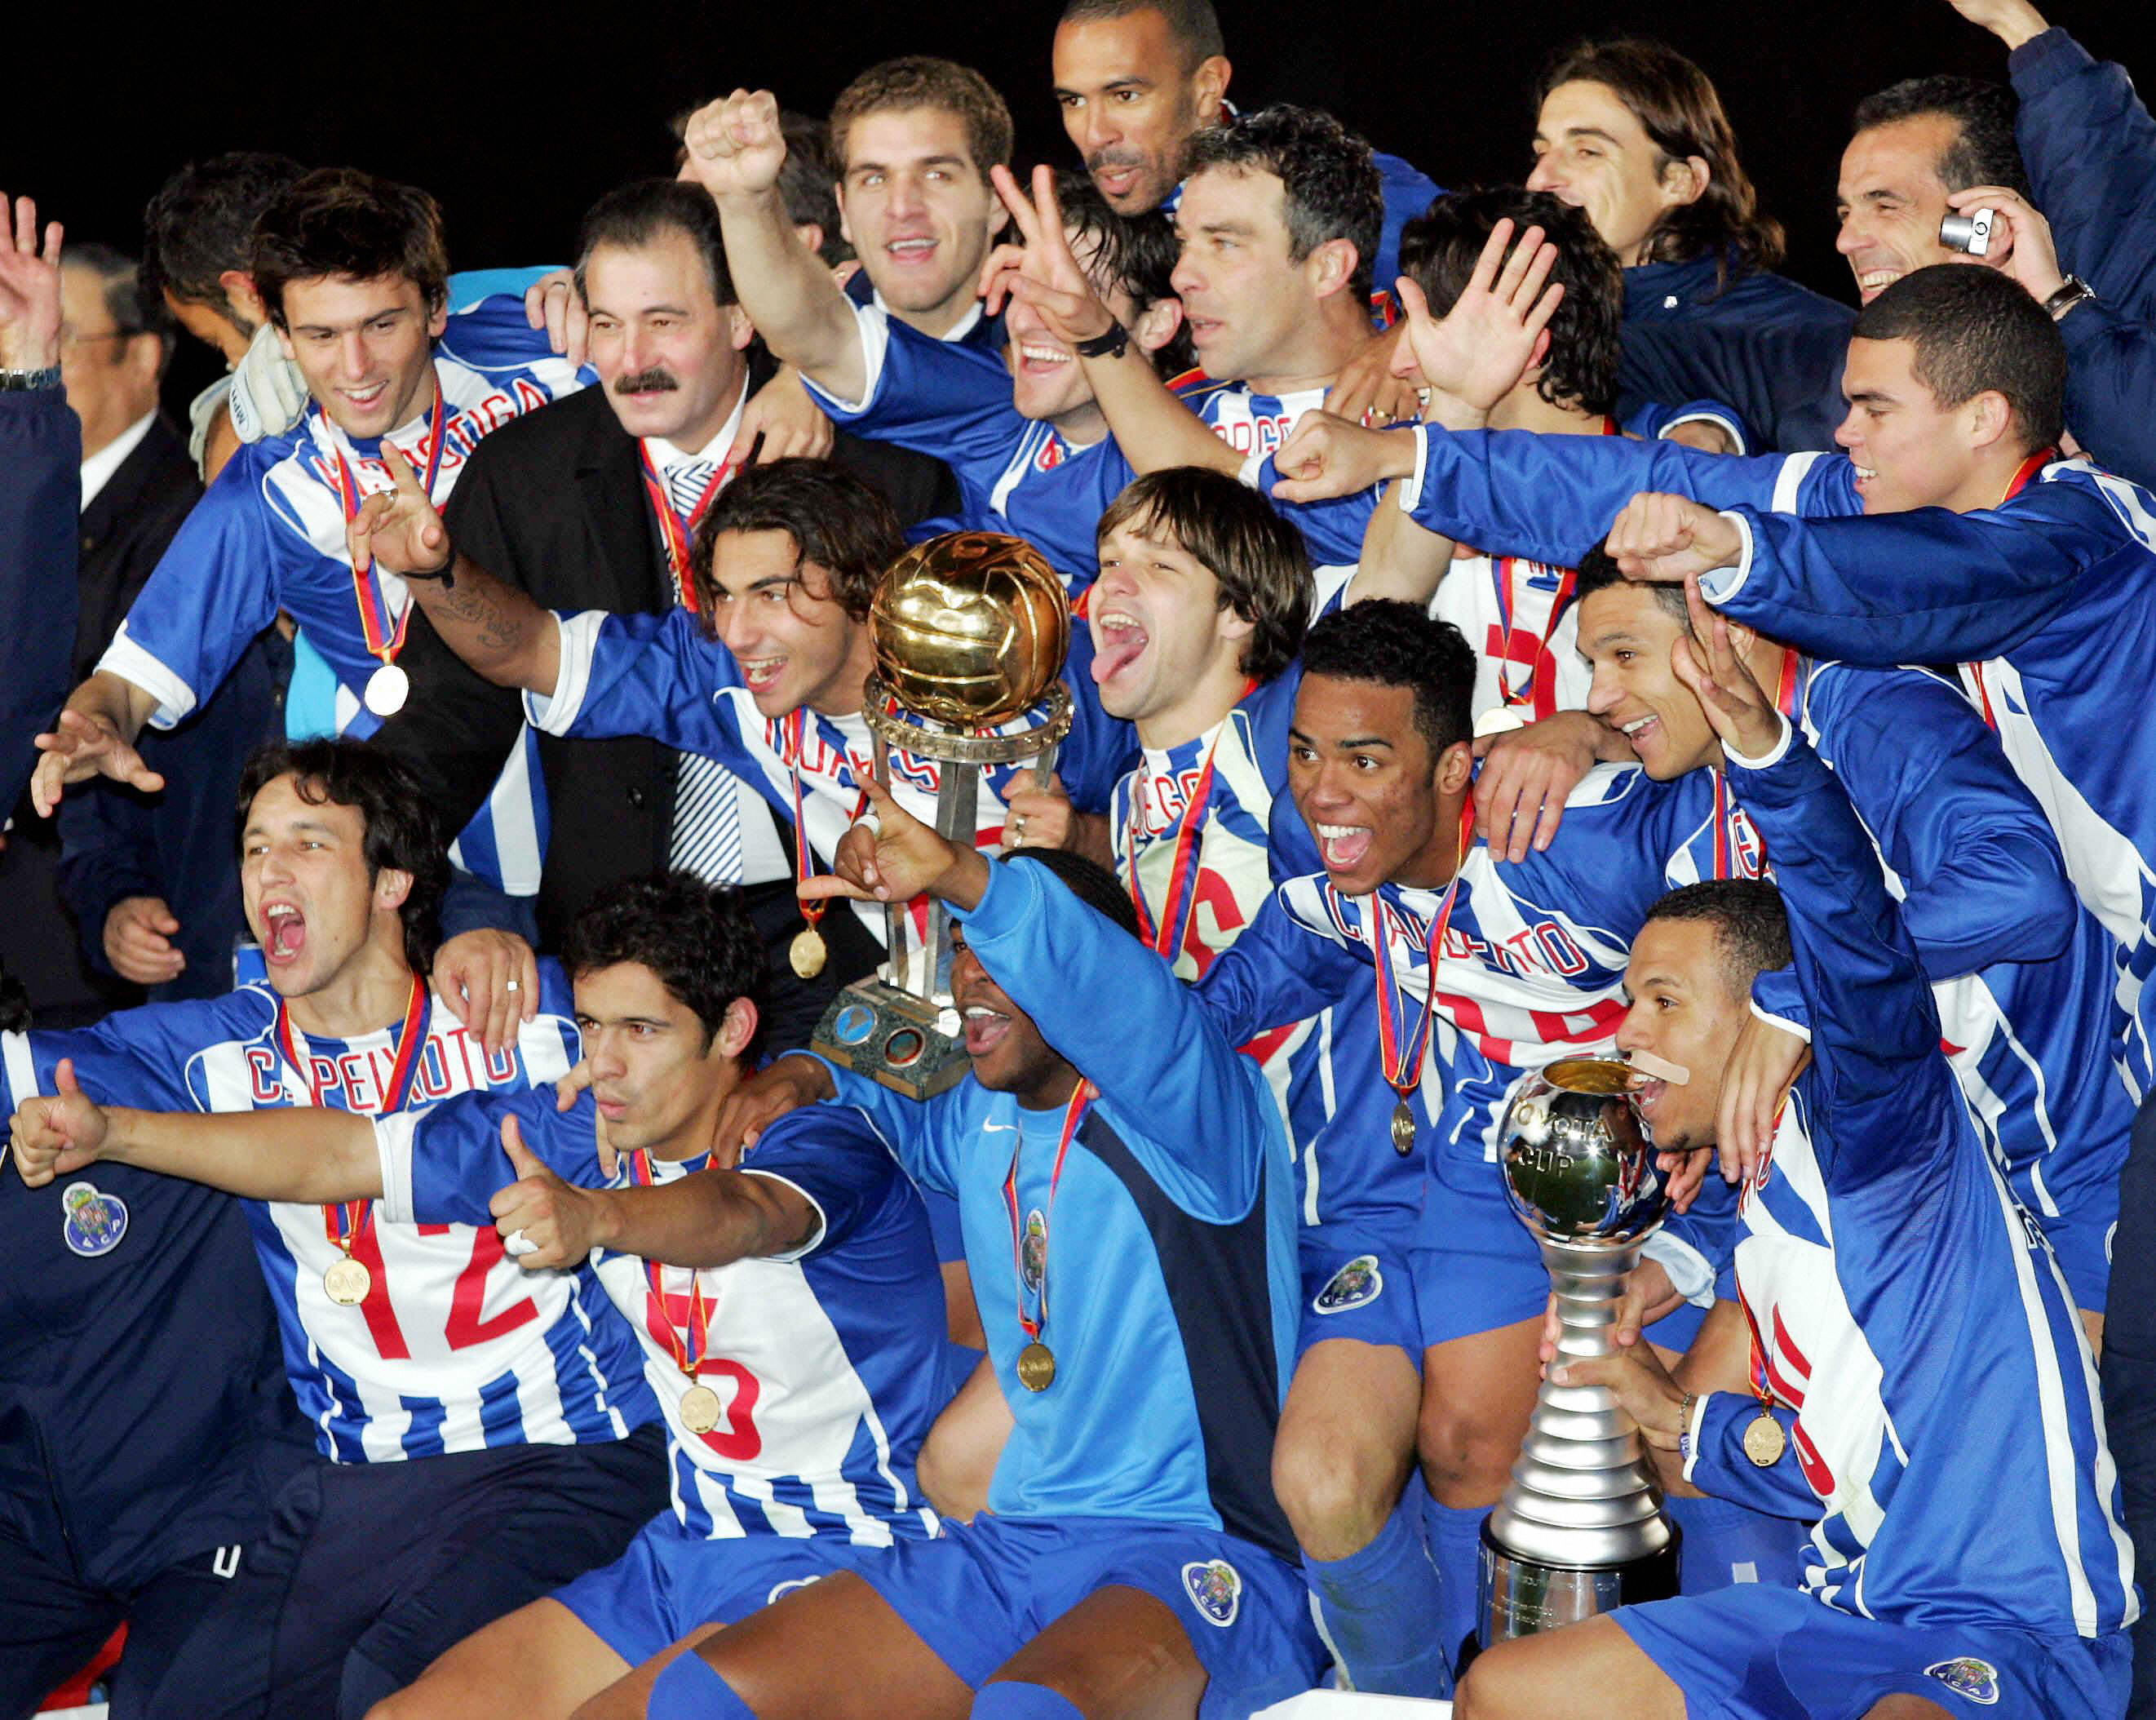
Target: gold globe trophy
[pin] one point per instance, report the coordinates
(970, 630)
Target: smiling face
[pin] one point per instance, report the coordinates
(1686, 1008)
(795, 642)
(366, 347)
(1129, 104)
(310, 899)
(1890, 201)
(1162, 640)
(1363, 778)
(669, 354)
(1047, 381)
(1008, 1053)
(1909, 451)
(1592, 152)
(654, 1076)
(1626, 635)
(914, 204)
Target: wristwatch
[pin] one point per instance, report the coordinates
(1112, 343)
(21, 381)
(2072, 291)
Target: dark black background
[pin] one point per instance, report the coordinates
(517, 116)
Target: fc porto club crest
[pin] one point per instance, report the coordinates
(1035, 1255)
(1968, 1676)
(1215, 1588)
(1354, 1285)
(94, 1222)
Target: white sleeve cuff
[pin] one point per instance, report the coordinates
(1774, 754)
(1717, 585)
(1691, 1434)
(578, 642)
(817, 1233)
(1410, 487)
(394, 1137)
(128, 661)
(875, 329)
(1690, 1273)
(1252, 475)
(1783, 1022)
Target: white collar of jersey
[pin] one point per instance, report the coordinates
(665, 456)
(957, 331)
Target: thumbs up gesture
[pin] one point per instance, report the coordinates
(400, 528)
(545, 1223)
(53, 1136)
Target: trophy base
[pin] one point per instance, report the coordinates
(874, 1029)
(1522, 1597)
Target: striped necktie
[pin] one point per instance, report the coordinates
(707, 835)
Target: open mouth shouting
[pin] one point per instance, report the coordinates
(284, 933)
(1119, 641)
(1342, 847)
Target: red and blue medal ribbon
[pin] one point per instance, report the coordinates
(2014, 486)
(384, 633)
(678, 533)
(1524, 693)
(343, 1220)
(687, 1347)
(1168, 936)
(1032, 1325)
(1402, 1045)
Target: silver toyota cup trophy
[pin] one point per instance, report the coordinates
(970, 630)
(1581, 1529)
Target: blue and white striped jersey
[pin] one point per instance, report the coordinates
(2039, 597)
(1914, 1332)
(453, 1348)
(825, 1361)
(2021, 972)
(270, 535)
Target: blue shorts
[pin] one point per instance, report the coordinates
(1755, 1653)
(984, 1589)
(1476, 1268)
(1358, 1282)
(670, 1581)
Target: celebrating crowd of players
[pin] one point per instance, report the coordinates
(1495, 615)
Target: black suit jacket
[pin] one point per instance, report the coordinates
(553, 503)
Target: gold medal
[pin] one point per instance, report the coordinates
(806, 952)
(1036, 1367)
(700, 1409)
(347, 1282)
(1764, 1442)
(1403, 1129)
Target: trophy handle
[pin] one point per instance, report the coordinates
(894, 912)
(957, 819)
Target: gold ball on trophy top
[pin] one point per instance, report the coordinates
(970, 628)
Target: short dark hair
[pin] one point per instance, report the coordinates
(1390, 644)
(1334, 190)
(1441, 247)
(839, 522)
(805, 182)
(133, 310)
(1598, 571)
(696, 938)
(1985, 153)
(1136, 253)
(1977, 329)
(401, 832)
(338, 221)
(1258, 558)
(1747, 917)
(1194, 24)
(634, 215)
(1088, 880)
(1681, 111)
(918, 80)
(202, 222)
